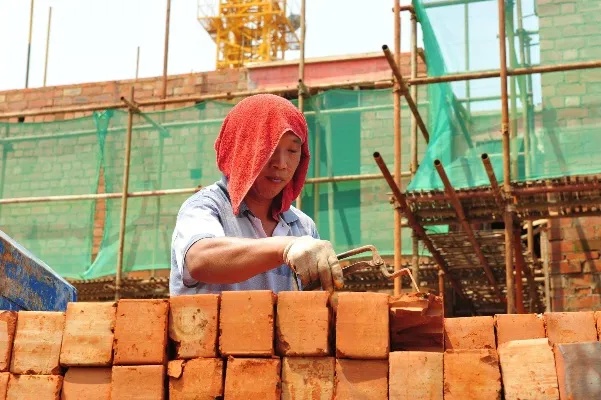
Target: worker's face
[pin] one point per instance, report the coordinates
(280, 168)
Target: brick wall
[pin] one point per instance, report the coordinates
(570, 31)
(49, 171)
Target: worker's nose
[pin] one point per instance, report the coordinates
(279, 159)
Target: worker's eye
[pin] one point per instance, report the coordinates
(293, 151)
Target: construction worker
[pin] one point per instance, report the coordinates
(241, 233)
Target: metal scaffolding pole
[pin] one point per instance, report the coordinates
(509, 210)
(398, 248)
(124, 196)
(414, 142)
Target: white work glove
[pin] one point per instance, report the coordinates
(313, 259)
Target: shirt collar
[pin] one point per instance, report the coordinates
(288, 216)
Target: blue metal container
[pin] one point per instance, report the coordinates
(27, 283)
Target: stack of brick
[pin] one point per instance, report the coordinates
(296, 345)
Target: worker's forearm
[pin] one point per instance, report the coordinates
(231, 260)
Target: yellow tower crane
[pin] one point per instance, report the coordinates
(248, 31)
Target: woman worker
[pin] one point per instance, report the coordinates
(242, 233)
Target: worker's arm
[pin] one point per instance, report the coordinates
(232, 260)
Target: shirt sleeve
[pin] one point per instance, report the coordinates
(195, 221)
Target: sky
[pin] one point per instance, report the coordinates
(98, 40)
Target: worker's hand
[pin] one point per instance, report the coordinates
(313, 259)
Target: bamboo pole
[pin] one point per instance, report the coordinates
(47, 44)
(520, 266)
(508, 214)
(414, 142)
(166, 49)
(301, 80)
(412, 222)
(394, 65)
(192, 99)
(513, 130)
(538, 69)
(168, 192)
(467, 229)
(397, 91)
(124, 197)
(31, 6)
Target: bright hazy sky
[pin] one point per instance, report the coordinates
(97, 40)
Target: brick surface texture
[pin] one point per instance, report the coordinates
(138, 382)
(570, 32)
(361, 379)
(415, 375)
(526, 356)
(472, 374)
(362, 325)
(87, 383)
(249, 378)
(193, 325)
(518, 327)
(246, 323)
(578, 370)
(528, 369)
(88, 335)
(37, 344)
(303, 324)
(8, 325)
(141, 332)
(39, 387)
(200, 378)
(308, 378)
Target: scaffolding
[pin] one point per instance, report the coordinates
(487, 269)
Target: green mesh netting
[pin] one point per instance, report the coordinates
(173, 149)
(51, 159)
(554, 117)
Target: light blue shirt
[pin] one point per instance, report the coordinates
(207, 214)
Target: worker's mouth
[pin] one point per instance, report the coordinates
(275, 180)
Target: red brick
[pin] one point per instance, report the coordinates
(468, 333)
(38, 387)
(246, 323)
(37, 345)
(252, 378)
(519, 327)
(308, 378)
(138, 382)
(471, 374)
(425, 379)
(578, 367)
(3, 384)
(598, 323)
(416, 322)
(141, 332)
(361, 379)
(570, 327)
(88, 335)
(8, 324)
(303, 324)
(193, 323)
(200, 378)
(87, 383)
(362, 329)
(528, 369)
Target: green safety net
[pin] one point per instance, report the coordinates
(51, 159)
(172, 150)
(553, 117)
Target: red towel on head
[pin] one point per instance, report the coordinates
(249, 135)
